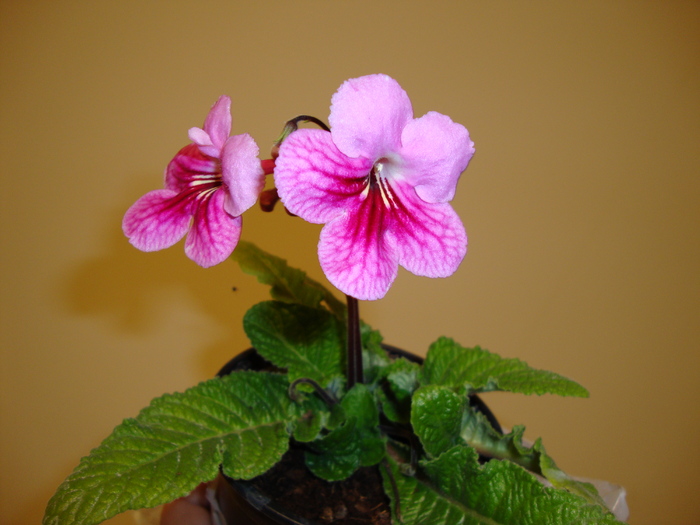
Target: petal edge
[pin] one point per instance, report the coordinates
(367, 116)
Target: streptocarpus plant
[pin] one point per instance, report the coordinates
(380, 181)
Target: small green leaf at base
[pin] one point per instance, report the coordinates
(395, 394)
(239, 421)
(356, 443)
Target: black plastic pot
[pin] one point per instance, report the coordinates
(244, 504)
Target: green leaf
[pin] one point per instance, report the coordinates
(561, 479)
(308, 342)
(374, 357)
(395, 394)
(335, 456)
(309, 426)
(442, 418)
(315, 417)
(356, 443)
(288, 284)
(436, 417)
(450, 364)
(239, 421)
(455, 489)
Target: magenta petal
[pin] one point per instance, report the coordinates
(368, 115)
(242, 173)
(157, 220)
(189, 165)
(202, 139)
(315, 180)
(435, 151)
(356, 257)
(218, 122)
(430, 239)
(214, 233)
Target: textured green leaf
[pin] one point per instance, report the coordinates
(308, 342)
(315, 417)
(450, 364)
(359, 402)
(395, 392)
(309, 426)
(442, 418)
(455, 489)
(374, 357)
(288, 284)
(355, 443)
(561, 479)
(335, 456)
(436, 417)
(477, 431)
(239, 421)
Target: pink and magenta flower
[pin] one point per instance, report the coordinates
(381, 182)
(208, 185)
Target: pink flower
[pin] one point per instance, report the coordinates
(209, 184)
(380, 181)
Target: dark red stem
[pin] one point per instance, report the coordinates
(355, 374)
(268, 166)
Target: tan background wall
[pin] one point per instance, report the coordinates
(581, 205)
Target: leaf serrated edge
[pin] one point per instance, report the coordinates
(490, 383)
(65, 500)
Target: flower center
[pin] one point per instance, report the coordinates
(199, 179)
(204, 179)
(376, 182)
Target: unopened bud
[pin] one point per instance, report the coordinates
(268, 199)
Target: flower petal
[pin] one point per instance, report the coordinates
(356, 256)
(217, 128)
(189, 165)
(202, 139)
(214, 233)
(368, 115)
(242, 173)
(315, 180)
(430, 238)
(218, 121)
(157, 220)
(435, 151)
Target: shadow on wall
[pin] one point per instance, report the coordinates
(134, 290)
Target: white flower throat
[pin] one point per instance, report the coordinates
(378, 181)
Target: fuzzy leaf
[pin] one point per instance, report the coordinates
(374, 357)
(308, 342)
(309, 426)
(450, 364)
(455, 489)
(356, 443)
(335, 456)
(561, 479)
(288, 284)
(436, 417)
(401, 381)
(239, 421)
(442, 418)
(315, 417)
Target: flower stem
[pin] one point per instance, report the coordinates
(268, 166)
(355, 374)
(327, 397)
(293, 125)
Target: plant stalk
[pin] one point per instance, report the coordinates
(355, 373)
